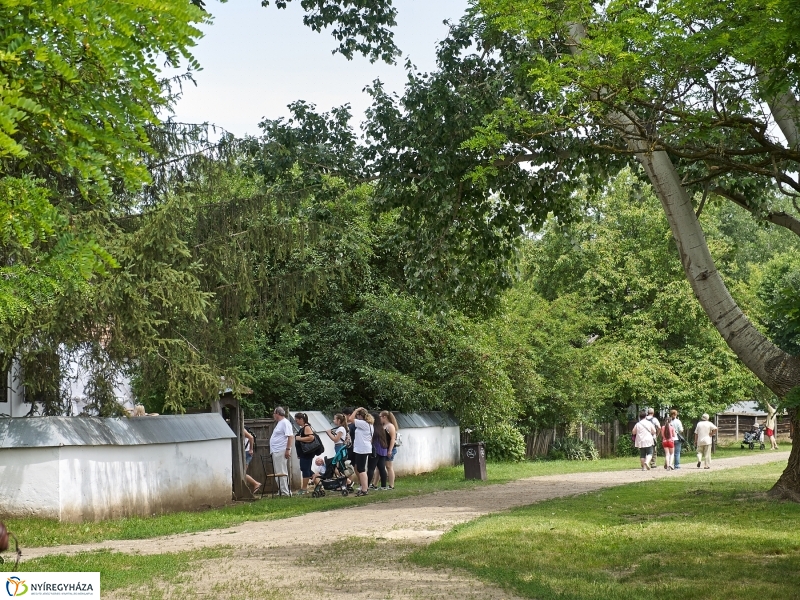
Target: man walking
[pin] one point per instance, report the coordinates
(703, 435)
(677, 437)
(280, 447)
(651, 417)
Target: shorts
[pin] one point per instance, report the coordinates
(667, 444)
(645, 452)
(770, 433)
(394, 453)
(360, 462)
(247, 458)
(305, 467)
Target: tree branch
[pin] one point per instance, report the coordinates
(780, 218)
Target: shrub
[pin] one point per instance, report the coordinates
(625, 447)
(504, 442)
(571, 448)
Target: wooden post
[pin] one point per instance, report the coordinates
(737, 428)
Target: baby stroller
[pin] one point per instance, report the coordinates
(337, 470)
(753, 437)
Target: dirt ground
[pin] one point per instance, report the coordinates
(311, 553)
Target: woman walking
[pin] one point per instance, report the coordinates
(645, 433)
(393, 440)
(362, 445)
(305, 434)
(668, 443)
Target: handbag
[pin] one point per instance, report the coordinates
(398, 441)
(314, 447)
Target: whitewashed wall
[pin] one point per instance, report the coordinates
(90, 482)
(424, 449)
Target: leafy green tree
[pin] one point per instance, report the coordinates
(686, 89)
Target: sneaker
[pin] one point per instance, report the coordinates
(389, 487)
(383, 489)
(301, 492)
(647, 467)
(698, 464)
(372, 487)
(360, 493)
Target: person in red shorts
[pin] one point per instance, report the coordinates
(772, 425)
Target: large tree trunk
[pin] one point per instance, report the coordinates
(779, 371)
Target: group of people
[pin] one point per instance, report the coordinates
(371, 440)
(648, 430)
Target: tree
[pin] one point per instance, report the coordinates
(687, 89)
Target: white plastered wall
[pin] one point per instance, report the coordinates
(90, 483)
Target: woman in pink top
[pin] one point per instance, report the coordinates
(667, 433)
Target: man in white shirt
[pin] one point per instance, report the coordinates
(703, 436)
(677, 426)
(280, 447)
(651, 417)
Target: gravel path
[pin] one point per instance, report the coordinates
(272, 552)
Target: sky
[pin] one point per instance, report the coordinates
(257, 60)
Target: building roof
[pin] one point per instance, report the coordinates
(747, 408)
(47, 432)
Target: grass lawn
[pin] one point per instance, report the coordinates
(146, 575)
(34, 532)
(715, 536)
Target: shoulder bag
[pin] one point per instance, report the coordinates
(314, 447)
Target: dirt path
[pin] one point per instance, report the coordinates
(273, 553)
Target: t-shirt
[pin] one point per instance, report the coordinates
(703, 431)
(676, 423)
(318, 469)
(336, 432)
(644, 432)
(362, 442)
(656, 423)
(279, 439)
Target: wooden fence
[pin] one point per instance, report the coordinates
(604, 435)
(734, 426)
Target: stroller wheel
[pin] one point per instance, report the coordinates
(752, 445)
(761, 447)
(322, 492)
(315, 494)
(345, 492)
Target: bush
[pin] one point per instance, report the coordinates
(504, 443)
(570, 448)
(625, 447)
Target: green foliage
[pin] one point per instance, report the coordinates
(361, 26)
(571, 448)
(626, 447)
(778, 288)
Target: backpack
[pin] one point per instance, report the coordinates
(398, 441)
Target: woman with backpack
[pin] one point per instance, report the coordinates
(393, 439)
(668, 443)
(380, 446)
